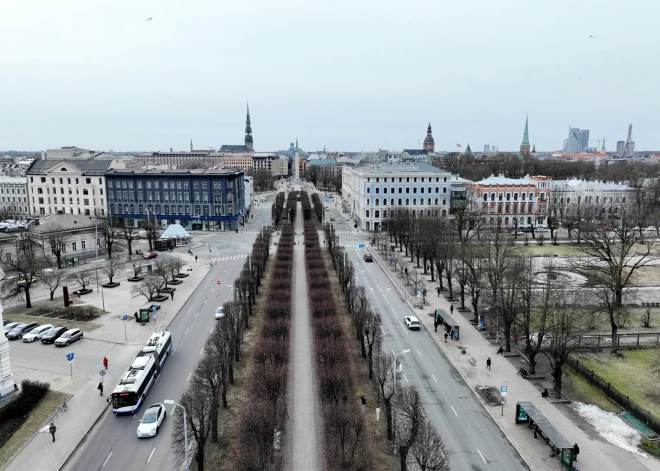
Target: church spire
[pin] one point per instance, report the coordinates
(191, 146)
(524, 147)
(248, 131)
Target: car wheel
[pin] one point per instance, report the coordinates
(67, 343)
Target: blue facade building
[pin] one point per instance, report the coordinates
(202, 199)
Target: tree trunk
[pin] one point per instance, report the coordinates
(28, 301)
(475, 305)
(214, 417)
(199, 458)
(388, 412)
(52, 293)
(556, 373)
(507, 337)
(462, 297)
(449, 285)
(371, 362)
(59, 260)
(403, 454)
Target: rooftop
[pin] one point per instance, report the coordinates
(64, 221)
(174, 172)
(400, 167)
(576, 183)
(313, 162)
(234, 148)
(85, 167)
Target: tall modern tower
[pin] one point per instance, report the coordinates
(6, 378)
(248, 132)
(577, 142)
(524, 147)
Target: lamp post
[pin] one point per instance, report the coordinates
(394, 380)
(185, 429)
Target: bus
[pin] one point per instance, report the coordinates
(136, 382)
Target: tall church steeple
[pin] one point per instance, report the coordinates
(524, 147)
(429, 143)
(248, 131)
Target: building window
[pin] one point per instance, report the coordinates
(367, 213)
(74, 246)
(377, 213)
(83, 244)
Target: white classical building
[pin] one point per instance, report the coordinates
(373, 193)
(69, 186)
(14, 197)
(589, 199)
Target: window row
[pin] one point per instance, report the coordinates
(436, 213)
(407, 179)
(69, 180)
(188, 210)
(63, 201)
(414, 190)
(406, 201)
(509, 196)
(86, 211)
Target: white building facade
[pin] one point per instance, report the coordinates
(374, 193)
(14, 198)
(590, 200)
(70, 186)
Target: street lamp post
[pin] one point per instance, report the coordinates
(185, 429)
(394, 380)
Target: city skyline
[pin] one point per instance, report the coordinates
(187, 74)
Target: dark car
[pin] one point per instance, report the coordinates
(53, 334)
(150, 255)
(18, 331)
(368, 258)
(5, 322)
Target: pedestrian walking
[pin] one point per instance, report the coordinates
(446, 335)
(100, 388)
(64, 407)
(172, 294)
(377, 414)
(500, 351)
(536, 430)
(195, 257)
(451, 309)
(488, 363)
(364, 403)
(435, 324)
(576, 451)
(105, 362)
(52, 429)
(438, 290)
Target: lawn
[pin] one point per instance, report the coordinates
(38, 418)
(579, 389)
(562, 250)
(629, 372)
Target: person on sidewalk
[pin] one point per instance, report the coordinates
(451, 309)
(500, 351)
(105, 362)
(172, 294)
(377, 414)
(488, 364)
(536, 430)
(364, 403)
(195, 257)
(438, 290)
(446, 335)
(576, 451)
(100, 388)
(435, 324)
(52, 429)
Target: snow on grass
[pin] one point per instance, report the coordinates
(610, 426)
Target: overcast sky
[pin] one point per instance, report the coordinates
(345, 74)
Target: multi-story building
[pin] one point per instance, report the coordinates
(202, 199)
(263, 161)
(589, 200)
(511, 202)
(374, 193)
(280, 166)
(237, 160)
(14, 198)
(194, 159)
(577, 142)
(70, 186)
(81, 236)
(324, 167)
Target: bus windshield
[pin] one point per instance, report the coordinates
(121, 400)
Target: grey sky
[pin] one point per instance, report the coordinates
(347, 74)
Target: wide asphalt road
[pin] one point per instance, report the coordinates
(112, 444)
(473, 441)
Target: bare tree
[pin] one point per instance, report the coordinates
(646, 317)
(128, 234)
(509, 303)
(163, 269)
(476, 265)
(611, 259)
(108, 232)
(52, 279)
(111, 269)
(386, 388)
(57, 241)
(410, 420)
(149, 287)
(208, 376)
(198, 405)
(83, 278)
(428, 451)
(137, 268)
(28, 268)
(372, 335)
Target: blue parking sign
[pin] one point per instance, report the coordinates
(361, 246)
(69, 356)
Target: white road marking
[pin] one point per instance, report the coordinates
(482, 456)
(151, 454)
(434, 378)
(106, 460)
(201, 351)
(406, 378)
(185, 332)
(418, 352)
(383, 330)
(188, 379)
(211, 331)
(197, 314)
(452, 408)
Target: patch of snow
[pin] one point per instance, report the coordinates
(610, 426)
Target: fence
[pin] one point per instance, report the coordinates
(617, 396)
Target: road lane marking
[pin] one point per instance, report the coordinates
(383, 330)
(406, 378)
(482, 456)
(452, 408)
(434, 378)
(201, 351)
(185, 332)
(188, 379)
(197, 314)
(152, 453)
(418, 352)
(106, 460)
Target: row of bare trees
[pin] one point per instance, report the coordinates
(277, 208)
(206, 396)
(418, 442)
(347, 444)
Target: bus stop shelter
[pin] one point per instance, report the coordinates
(443, 318)
(527, 413)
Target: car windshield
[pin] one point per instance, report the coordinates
(149, 417)
(52, 331)
(66, 335)
(19, 327)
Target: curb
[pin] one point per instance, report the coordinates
(455, 366)
(96, 419)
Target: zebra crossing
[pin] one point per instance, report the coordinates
(233, 257)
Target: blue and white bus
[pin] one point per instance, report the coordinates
(134, 385)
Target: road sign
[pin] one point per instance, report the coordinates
(219, 282)
(69, 356)
(102, 373)
(361, 246)
(503, 390)
(391, 260)
(124, 317)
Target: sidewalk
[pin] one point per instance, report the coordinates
(595, 454)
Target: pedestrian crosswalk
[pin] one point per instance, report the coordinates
(233, 257)
(344, 232)
(352, 246)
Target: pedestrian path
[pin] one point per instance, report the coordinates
(469, 355)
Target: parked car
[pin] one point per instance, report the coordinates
(20, 330)
(542, 229)
(150, 255)
(412, 322)
(53, 334)
(220, 313)
(607, 229)
(327, 209)
(69, 337)
(333, 219)
(151, 421)
(9, 327)
(514, 232)
(37, 333)
(5, 322)
(368, 257)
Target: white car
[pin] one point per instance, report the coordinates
(220, 313)
(36, 333)
(542, 229)
(151, 421)
(412, 322)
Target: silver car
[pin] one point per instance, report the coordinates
(69, 337)
(36, 333)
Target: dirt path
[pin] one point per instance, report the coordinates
(305, 447)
